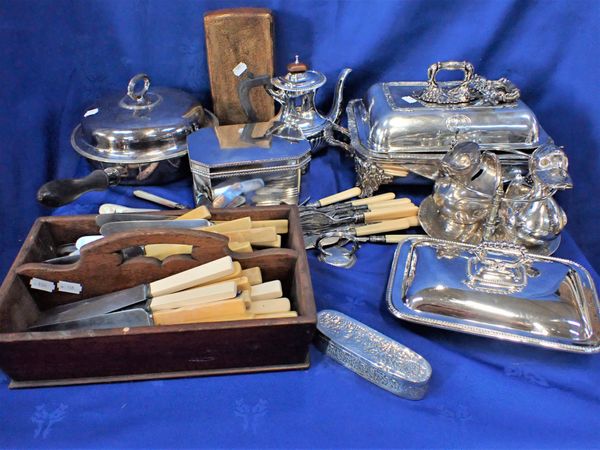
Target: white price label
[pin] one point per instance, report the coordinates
(409, 99)
(240, 69)
(41, 285)
(72, 288)
(91, 112)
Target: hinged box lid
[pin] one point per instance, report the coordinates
(234, 147)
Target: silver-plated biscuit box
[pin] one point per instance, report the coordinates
(245, 164)
(495, 290)
(408, 126)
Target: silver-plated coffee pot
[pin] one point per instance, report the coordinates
(298, 117)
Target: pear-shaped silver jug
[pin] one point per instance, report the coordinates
(529, 211)
(468, 179)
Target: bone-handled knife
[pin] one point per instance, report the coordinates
(335, 198)
(118, 227)
(103, 304)
(158, 199)
(110, 208)
(226, 297)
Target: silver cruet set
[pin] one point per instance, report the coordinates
(473, 195)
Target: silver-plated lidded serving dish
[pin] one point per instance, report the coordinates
(143, 126)
(247, 161)
(495, 290)
(408, 126)
(137, 137)
(372, 355)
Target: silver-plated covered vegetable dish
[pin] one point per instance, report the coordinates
(409, 126)
(495, 290)
(137, 138)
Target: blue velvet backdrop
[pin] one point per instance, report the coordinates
(58, 56)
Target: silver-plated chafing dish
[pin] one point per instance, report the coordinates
(402, 127)
(495, 290)
(137, 138)
(246, 161)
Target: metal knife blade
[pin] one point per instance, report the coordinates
(101, 219)
(91, 307)
(67, 259)
(118, 227)
(134, 317)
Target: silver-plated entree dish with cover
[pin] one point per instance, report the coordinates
(495, 290)
(407, 126)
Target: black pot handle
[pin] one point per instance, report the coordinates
(244, 88)
(60, 192)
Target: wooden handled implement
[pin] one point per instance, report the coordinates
(234, 36)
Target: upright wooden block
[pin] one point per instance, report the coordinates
(233, 36)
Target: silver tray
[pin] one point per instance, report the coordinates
(372, 355)
(496, 291)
